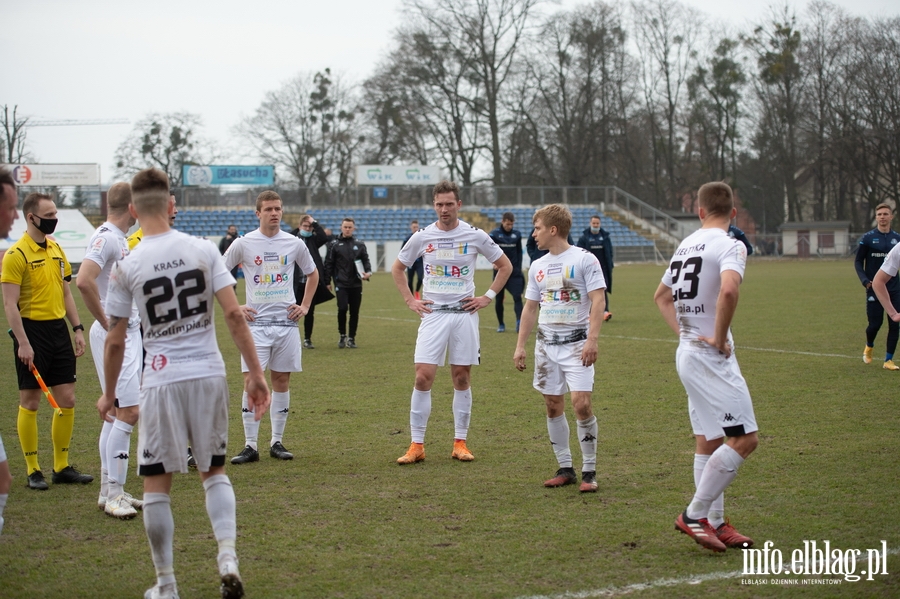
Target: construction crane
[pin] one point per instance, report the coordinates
(70, 122)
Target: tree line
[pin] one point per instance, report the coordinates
(801, 114)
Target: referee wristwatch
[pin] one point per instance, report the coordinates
(78, 327)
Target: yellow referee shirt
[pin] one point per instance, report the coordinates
(135, 238)
(40, 273)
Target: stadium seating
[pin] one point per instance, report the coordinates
(386, 224)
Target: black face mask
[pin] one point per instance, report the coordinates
(47, 226)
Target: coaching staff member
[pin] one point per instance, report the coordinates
(37, 300)
(874, 246)
(340, 266)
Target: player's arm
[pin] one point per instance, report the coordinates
(526, 325)
(504, 268)
(598, 306)
(726, 305)
(879, 285)
(11, 293)
(74, 319)
(398, 273)
(113, 356)
(862, 252)
(257, 390)
(90, 293)
(665, 301)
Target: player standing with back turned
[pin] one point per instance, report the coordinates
(698, 297)
(174, 280)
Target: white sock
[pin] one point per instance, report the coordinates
(559, 440)
(720, 470)
(419, 413)
(104, 456)
(3, 498)
(716, 515)
(462, 412)
(160, 529)
(251, 425)
(587, 437)
(117, 457)
(278, 413)
(220, 505)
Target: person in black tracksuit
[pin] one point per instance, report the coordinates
(510, 241)
(418, 267)
(340, 266)
(873, 247)
(596, 240)
(314, 236)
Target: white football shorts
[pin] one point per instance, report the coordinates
(128, 388)
(2, 451)
(718, 397)
(558, 368)
(278, 348)
(448, 335)
(191, 412)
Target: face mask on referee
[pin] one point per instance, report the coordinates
(47, 226)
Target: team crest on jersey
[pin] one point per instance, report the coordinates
(893, 242)
(98, 244)
(257, 261)
(430, 248)
(540, 276)
(158, 362)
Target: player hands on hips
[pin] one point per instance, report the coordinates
(449, 312)
(698, 297)
(565, 299)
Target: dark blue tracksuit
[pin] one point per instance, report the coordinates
(873, 247)
(601, 246)
(511, 244)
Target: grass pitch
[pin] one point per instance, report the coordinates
(343, 520)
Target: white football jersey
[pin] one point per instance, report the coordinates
(561, 284)
(694, 275)
(107, 246)
(449, 258)
(173, 279)
(268, 265)
(891, 264)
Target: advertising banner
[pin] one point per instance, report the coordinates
(373, 174)
(204, 176)
(46, 175)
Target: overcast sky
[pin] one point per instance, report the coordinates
(103, 59)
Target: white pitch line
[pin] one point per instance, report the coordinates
(612, 591)
(627, 338)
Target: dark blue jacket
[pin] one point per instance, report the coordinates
(601, 246)
(736, 233)
(873, 247)
(511, 244)
(531, 247)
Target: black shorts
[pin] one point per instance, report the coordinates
(53, 353)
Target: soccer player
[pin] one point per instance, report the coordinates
(9, 202)
(107, 246)
(174, 280)
(698, 297)
(37, 300)
(596, 240)
(565, 299)
(268, 255)
(870, 256)
(449, 312)
(135, 238)
(510, 241)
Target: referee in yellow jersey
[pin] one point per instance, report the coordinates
(36, 299)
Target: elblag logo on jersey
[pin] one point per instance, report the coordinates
(446, 270)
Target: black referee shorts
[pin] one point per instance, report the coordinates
(53, 353)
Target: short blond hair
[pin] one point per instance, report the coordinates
(118, 197)
(884, 205)
(555, 215)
